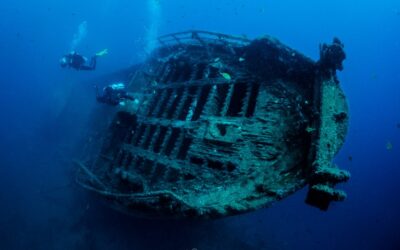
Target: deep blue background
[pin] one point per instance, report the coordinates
(41, 209)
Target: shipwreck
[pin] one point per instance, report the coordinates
(220, 125)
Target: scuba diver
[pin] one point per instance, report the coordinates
(113, 94)
(332, 56)
(79, 62)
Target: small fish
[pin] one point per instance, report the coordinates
(350, 158)
(310, 130)
(241, 59)
(389, 146)
(226, 76)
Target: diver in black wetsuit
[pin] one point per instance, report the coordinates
(79, 62)
(113, 94)
(331, 59)
(332, 56)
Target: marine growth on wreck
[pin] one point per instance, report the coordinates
(220, 125)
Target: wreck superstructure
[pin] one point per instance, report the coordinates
(221, 125)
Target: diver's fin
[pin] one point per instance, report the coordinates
(102, 53)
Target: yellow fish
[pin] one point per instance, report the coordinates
(226, 76)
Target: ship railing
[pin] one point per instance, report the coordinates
(203, 38)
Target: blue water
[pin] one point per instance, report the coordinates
(44, 109)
